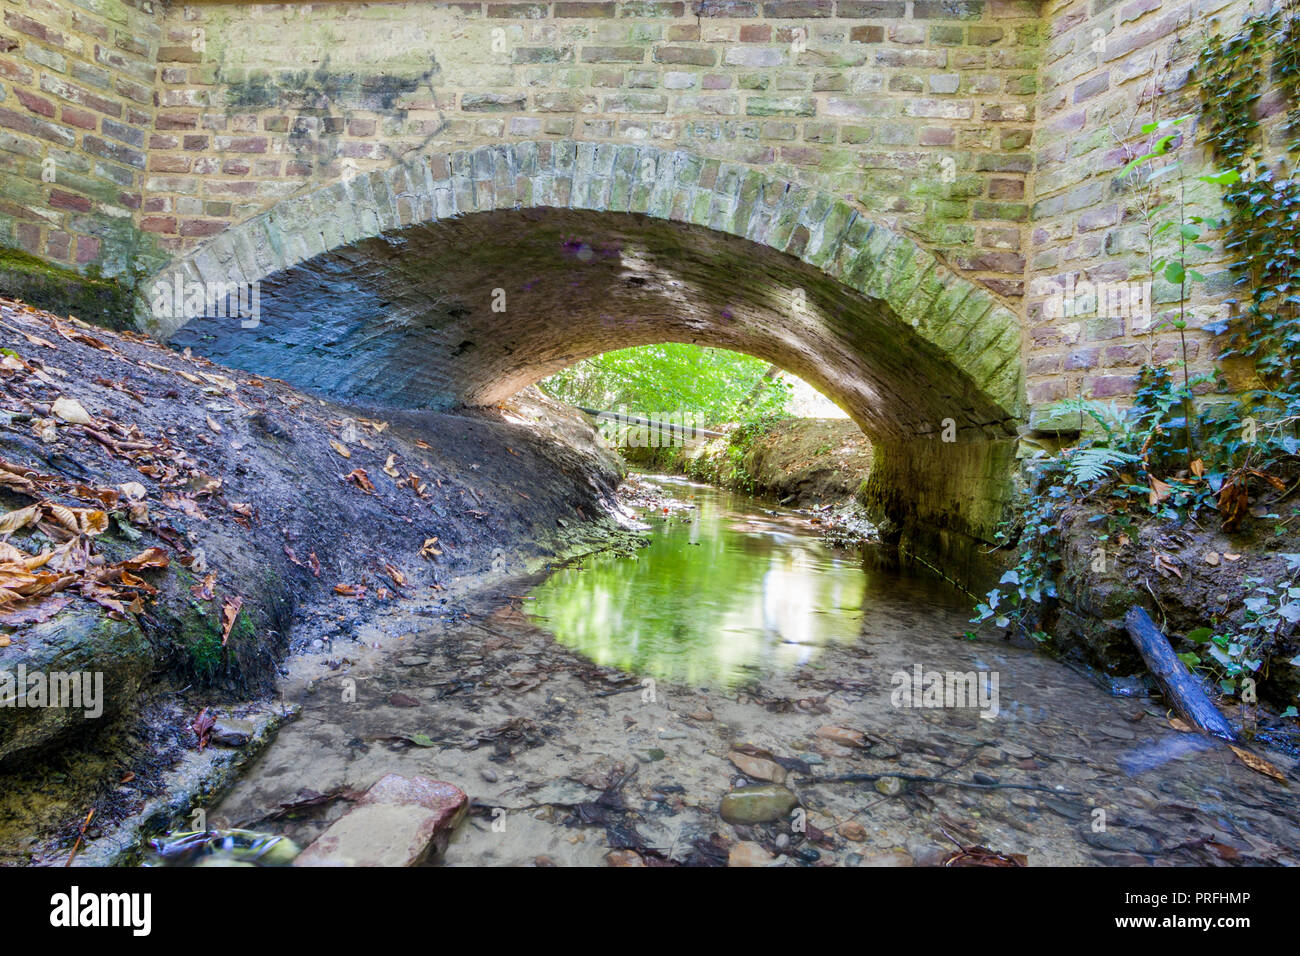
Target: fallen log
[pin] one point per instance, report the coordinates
(1181, 690)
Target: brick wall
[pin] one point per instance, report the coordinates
(1101, 66)
(990, 131)
(76, 111)
(879, 100)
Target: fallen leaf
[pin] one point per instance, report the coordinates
(1211, 558)
(1257, 764)
(389, 467)
(1159, 491)
(203, 591)
(133, 490)
(202, 727)
(340, 448)
(71, 411)
(359, 477)
(229, 611)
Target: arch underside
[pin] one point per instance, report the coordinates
(472, 309)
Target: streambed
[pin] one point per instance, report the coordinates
(602, 714)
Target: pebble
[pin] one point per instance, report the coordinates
(853, 830)
(749, 854)
(889, 786)
(757, 768)
(842, 736)
(761, 804)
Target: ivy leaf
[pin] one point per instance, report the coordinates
(1225, 178)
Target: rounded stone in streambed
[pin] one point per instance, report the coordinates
(762, 804)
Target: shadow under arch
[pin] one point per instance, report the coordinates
(459, 278)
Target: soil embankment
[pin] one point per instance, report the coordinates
(177, 527)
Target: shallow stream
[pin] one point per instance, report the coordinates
(602, 714)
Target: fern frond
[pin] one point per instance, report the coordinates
(1089, 465)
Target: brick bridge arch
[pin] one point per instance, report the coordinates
(458, 278)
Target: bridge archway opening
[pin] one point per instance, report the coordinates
(472, 307)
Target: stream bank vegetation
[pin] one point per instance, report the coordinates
(1185, 500)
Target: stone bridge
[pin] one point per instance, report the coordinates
(441, 203)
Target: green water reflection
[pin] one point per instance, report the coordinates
(721, 593)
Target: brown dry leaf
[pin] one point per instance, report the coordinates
(19, 518)
(4, 640)
(149, 558)
(1159, 491)
(349, 590)
(1229, 556)
(1198, 468)
(89, 521)
(340, 448)
(1234, 502)
(359, 477)
(212, 425)
(390, 467)
(201, 484)
(229, 611)
(1211, 558)
(186, 505)
(1258, 764)
(429, 549)
(398, 577)
(1164, 563)
(1182, 726)
(242, 508)
(133, 490)
(203, 591)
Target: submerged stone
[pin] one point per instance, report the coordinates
(761, 804)
(400, 821)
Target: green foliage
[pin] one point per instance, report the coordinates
(1264, 200)
(714, 384)
(1272, 611)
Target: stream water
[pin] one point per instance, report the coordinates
(602, 714)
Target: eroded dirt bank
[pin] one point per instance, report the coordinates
(803, 462)
(178, 526)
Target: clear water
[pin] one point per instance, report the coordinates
(724, 592)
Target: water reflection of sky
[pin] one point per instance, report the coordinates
(719, 594)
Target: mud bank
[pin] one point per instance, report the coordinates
(220, 521)
(803, 462)
(1190, 577)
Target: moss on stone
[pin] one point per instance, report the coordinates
(43, 285)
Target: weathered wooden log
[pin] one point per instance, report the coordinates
(1181, 690)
